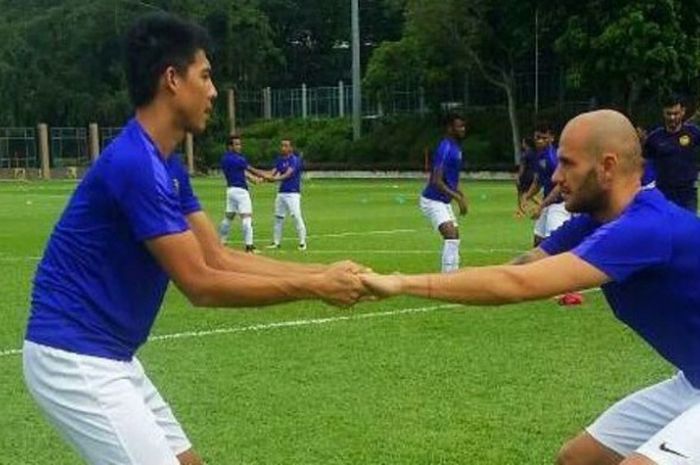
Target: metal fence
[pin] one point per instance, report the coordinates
(69, 147)
(18, 148)
(336, 101)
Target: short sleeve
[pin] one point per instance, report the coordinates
(189, 203)
(441, 155)
(626, 246)
(146, 194)
(569, 235)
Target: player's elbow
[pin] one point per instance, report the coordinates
(196, 288)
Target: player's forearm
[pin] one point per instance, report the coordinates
(493, 285)
(227, 289)
(444, 188)
(552, 198)
(239, 262)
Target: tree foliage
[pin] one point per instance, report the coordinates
(622, 50)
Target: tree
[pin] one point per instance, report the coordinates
(449, 38)
(622, 50)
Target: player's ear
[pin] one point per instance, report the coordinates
(169, 79)
(608, 164)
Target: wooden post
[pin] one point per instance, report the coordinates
(189, 152)
(94, 141)
(341, 99)
(232, 111)
(304, 102)
(43, 131)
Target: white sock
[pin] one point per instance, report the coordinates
(450, 255)
(301, 229)
(277, 230)
(247, 230)
(224, 229)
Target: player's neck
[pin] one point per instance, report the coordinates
(158, 122)
(619, 200)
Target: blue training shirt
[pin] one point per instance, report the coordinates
(448, 157)
(293, 183)
(674, 155)
(234, 165)
(545, 166)
(651, 253)
(97, 289)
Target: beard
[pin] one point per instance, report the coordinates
(590, 198)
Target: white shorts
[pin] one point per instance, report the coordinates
(238, 201)
(288, 203)
(108, 410)
(552, 217)
(661, 422)
(437, 212)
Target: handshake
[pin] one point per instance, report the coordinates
(345, 283)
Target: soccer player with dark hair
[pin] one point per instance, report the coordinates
(551, 213)
(672, 150)
(132, 224)
(287, 171)
(238, 172)
(443, 188)
(644, 252)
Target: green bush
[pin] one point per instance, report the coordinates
(392, 142)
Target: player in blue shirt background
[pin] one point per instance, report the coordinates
(238, 172)
(551, 212)
(443, 188)
(287, 171)
(644, 252)
(132, 224)
(672, 150)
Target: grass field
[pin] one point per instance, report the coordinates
(402, 381)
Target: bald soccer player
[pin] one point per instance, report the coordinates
(644, 252)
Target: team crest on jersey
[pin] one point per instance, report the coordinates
(176, 186)
(684, 140)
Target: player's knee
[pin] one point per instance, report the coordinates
(190, 457)
(567, 454)
(572, 453)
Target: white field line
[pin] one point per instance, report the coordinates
(276, 325)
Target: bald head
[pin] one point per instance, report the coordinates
(606, 131)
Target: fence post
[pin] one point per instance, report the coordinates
(267, 102)
(189, 152)
(232, 111)
(304, 103)
(94, 141)
(341, 99)
(43, 132)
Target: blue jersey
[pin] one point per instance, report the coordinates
(97, 289)
(673, 155)
(545, 166)
(234, 165)
(293, 183)
(651, 253)
(448, 157)
(528, 161)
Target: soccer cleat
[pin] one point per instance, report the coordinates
(301, 247)
(251, 249)
(272, 246)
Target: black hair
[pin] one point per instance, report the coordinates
(671, 100)
(450, 118)
(232, 137)
(544, 127)
(155, 42)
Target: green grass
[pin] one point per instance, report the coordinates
(445, 385)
